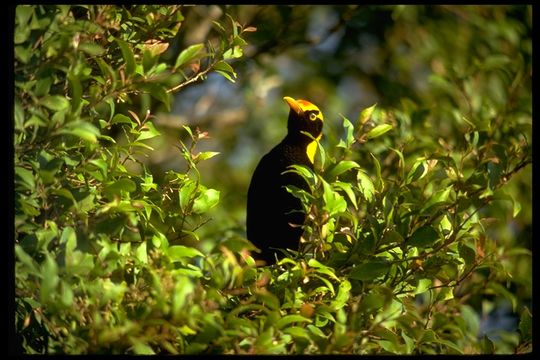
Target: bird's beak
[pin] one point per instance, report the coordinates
(293, 104)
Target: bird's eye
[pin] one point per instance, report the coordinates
(312, 117)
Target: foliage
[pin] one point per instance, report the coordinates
(403, 251)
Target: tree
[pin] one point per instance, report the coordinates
(419, 210)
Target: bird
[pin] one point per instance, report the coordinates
(274, 217)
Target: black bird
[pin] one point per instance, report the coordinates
(274, 216)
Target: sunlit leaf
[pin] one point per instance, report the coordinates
(378, 131)
(177, 252)
(207, 200)
(365, 115)
(189, 54)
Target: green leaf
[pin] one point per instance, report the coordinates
(289, 319)
(18, 114)
(306, 173)
(27, 260)
(423, 237)
(370, 270)
(55, 102)
(149, 60)
(349, 133)
(472, 320)
(365, 115)
(83, 130)
(418, 170)
(23, 14)
(207, 200)
(148, 131)
(101, 165)
(225, 70)
(76, 92)
(378, 131)
(65, 193)
(127, 54)
(468, 254)
(141, 348)
(525, 325)
(233, 53)
(316, 331)
(66, 294)
(189, 54)
(343, 295)
(186, 194)
(392, 237)
(177, 252)
(122, 119)
(423, 286)
(494, 172)
(320, 268)
(43, 86)
(440, 197)
(366, 186)
(141, 254)
(348, 189)
(206, 155)
(451, 345)
(26, 176)
(227, 75)
(50, 279)
(119, 186)
(339, 168)
(496, 61)
(334, 203)
(91, 48)
(445, 293)
(297, 332)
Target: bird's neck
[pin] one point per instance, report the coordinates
(305, 143)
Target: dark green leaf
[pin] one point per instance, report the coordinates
(468, 254)
(525, 325)
(127, 54)
(370, 270)
(423, 237)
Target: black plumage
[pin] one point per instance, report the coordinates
(274, 216)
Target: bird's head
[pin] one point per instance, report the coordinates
(305, 117)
